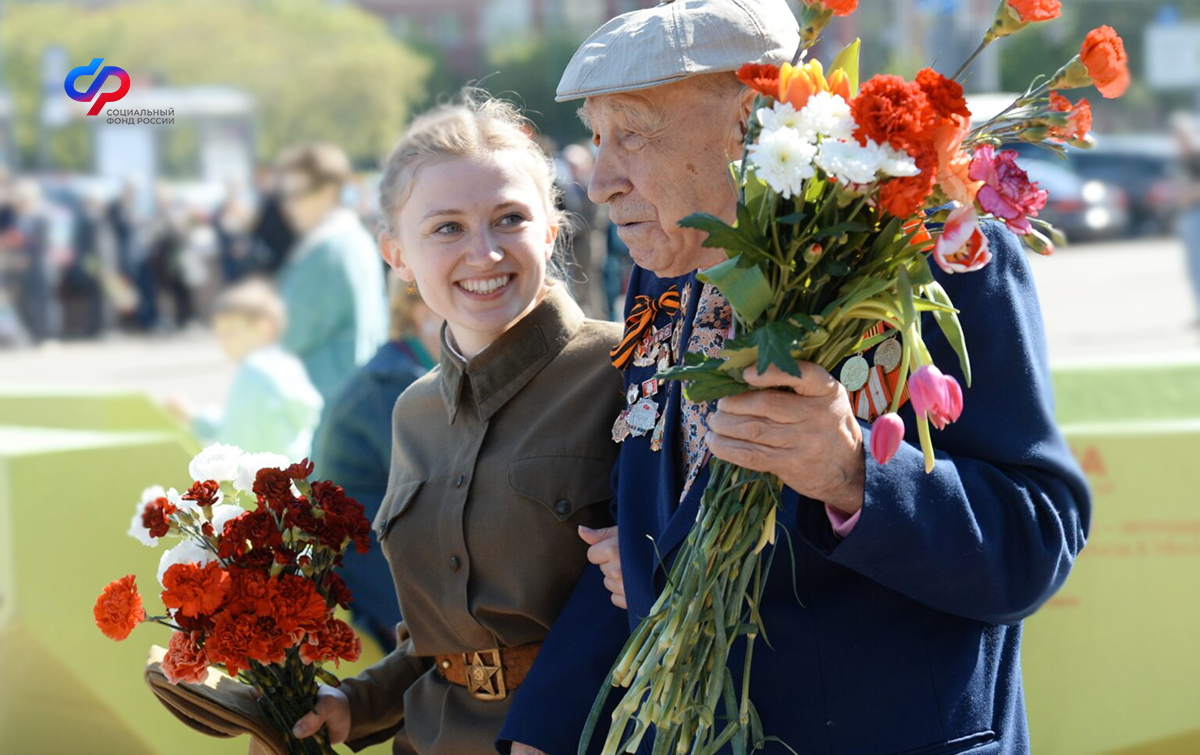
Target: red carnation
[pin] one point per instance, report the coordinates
(335, 641)
(194, 590)
(156, 516)
(119, 608)
(1103, 53)
(206, 494)
(300, 470)
(336, 589)
(1007, 192)
(762, 78)
(945, 95)
(891, 110)
(186, 661)
(297, 604)
(268, 642)
(229, 641)
(262, 530)
(1031, 11)
(251, 590)
(1079, 121)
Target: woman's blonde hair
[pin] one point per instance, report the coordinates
(476, 125)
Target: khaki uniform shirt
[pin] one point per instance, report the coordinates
(494, 465)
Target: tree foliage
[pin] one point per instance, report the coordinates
(318, 71)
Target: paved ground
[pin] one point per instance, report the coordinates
(1101, 302)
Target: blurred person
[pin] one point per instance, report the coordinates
(1184, 126)
(588, 237)
(354, 447)
(28, 239)
(81, 290)
(271, 237)
(131, 233)
(233, 222)
(166, 264)
(272, 406)
(332, 283)
(498, 454)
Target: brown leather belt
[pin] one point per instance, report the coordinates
(489, 674)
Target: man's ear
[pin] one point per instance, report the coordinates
(745, 111)
(390, 251)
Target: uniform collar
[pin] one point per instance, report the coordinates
(498, 372)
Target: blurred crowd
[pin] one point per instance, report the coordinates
(80, 259)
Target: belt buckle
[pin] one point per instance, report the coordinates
(485, 675)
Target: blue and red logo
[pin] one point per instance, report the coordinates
(97, 84)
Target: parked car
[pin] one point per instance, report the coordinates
(1144, 167)
(1082, 209)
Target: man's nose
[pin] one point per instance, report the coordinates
(610, 179)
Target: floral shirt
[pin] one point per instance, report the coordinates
(709, 328)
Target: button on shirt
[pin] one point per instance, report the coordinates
(495, 463)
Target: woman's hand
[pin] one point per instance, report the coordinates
(332, 710)
(606, 554)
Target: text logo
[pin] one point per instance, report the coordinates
(97, 84)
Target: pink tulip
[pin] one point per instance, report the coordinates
(935, 395)
(887, 433)
(962, 247)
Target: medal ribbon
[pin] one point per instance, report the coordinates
(645, 311)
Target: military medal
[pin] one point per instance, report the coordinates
(642, 417)
(660, 429)
(620, 429)
(649, 388)
(888, 355)
(854, 373)
(631, 394)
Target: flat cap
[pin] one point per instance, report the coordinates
(676, 39)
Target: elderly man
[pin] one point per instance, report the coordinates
(912, 586)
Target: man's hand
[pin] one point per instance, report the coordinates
(806, 435)
(605, 554)
(520, 749)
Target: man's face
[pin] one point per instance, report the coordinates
(663, 154)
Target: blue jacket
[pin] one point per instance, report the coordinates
(907, 635)
(354, 449)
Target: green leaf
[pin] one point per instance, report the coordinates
(706, 381)
(745, 288)
(792, 218)
(755, 189)
(919, 272)
(886, 237)
(847, 60)
(775, 342)
(951, 327)
(734, 240)
(838, 230)
(737, 360)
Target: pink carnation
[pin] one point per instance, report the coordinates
(1007, 192)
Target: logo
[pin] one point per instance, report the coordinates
(97, 84)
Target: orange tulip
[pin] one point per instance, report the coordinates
(798, 83)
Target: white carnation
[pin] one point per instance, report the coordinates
(249, 465)
(895, 162)
(136, 530)
(825, 115)
(848, 161)
(217, 462)
(187, 552)
(782, 115)
(224, 513)
(784, 160)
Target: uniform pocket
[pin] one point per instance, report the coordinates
(395, 503)
(563, 484)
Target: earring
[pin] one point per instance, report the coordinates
(412, 288)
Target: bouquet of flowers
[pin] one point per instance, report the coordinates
(847, 197)
(251, 585)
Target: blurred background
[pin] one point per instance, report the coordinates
(125, 251)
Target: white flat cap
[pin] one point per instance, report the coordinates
(676, 39)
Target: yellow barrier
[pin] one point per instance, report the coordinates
(66, 499)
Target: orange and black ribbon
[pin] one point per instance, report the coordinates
(645, 311)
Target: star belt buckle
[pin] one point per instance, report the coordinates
(485, 675)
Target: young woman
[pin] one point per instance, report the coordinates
(499, 454)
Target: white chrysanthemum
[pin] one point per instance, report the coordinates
(136, 530)
(895, 162)
(783, 160)
(825, 115)
(217, 462)
(249, 465)
(225, 513)
(187, 552)
(848, 161)
(781, 115)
